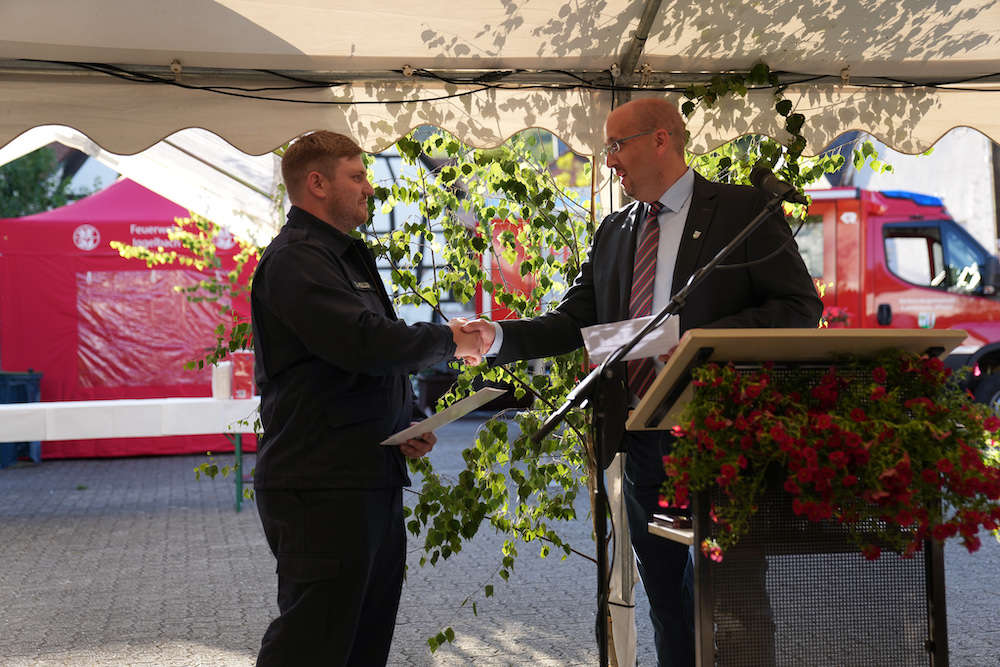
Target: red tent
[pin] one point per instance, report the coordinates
(99, 326)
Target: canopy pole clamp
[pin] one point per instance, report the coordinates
(845, 76)
(177, 68)
(645, 72)
(407, 70)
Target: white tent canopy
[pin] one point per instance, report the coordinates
(540, 43)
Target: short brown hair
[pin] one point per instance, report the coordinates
(315, 151)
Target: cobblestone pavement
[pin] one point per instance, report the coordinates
(134, 562)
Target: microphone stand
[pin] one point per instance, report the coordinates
(590, 388)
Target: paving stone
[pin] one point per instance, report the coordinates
(111, 562)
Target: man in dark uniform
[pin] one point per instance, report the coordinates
(332, 366)
(641, 255)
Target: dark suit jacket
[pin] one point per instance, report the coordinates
(775, 293)
(332, 362)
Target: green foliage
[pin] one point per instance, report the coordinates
(211, 470)
(446, 635)
(504, 203)
(732, 162)
(992, 456)
(30, 185)
(519, 488)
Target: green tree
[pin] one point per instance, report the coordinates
(31, 184)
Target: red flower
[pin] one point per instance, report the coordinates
(861, 456)
(858, 415)
(943, 531)
(713, 423)
(991, 424)
(822, 421)
(923, 401)
(871, 551)
(727, 474)
(792, 487)
(972, 543)
(878, 393)
(945, 466)
(711, 550)
(879, 374)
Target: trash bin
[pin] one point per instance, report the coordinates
(20, 388)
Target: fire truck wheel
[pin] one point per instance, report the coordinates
(988, 391)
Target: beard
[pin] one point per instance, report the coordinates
(351, 212)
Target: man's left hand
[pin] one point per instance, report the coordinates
(665, 357)
(415, 448)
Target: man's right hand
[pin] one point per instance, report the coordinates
(467, 343)
(486, 332)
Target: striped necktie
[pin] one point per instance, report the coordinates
(642, 371)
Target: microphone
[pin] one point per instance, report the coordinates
(763, 179)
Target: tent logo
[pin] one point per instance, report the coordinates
(86, 237)
(224, 240)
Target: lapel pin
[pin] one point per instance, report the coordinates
(696, 234)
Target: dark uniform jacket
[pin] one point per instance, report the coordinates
(332, 362)
(776, 293)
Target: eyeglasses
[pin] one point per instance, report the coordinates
(616, 145)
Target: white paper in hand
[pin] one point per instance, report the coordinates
(446, 416)
(603, 339)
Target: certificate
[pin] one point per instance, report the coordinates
(603, 339)
(446, 416)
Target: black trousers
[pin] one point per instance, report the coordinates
(341, 554)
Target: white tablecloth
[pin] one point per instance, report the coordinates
(128, 418)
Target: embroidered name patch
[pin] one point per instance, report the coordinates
(360, 284)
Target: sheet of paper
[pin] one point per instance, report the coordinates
(446, 416)
(603, 339)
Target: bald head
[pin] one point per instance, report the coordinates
(645, 140)
(654, 113)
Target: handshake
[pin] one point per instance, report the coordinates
(472, 339)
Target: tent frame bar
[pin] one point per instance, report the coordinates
(651, 78)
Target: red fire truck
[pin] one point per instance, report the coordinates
(897, 259)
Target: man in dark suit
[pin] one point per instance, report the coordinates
(640, 256)
(332, 365)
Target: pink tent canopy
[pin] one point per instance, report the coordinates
(98, 326)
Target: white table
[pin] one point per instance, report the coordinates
(132, 418)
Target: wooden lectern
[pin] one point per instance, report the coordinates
(796, 592)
